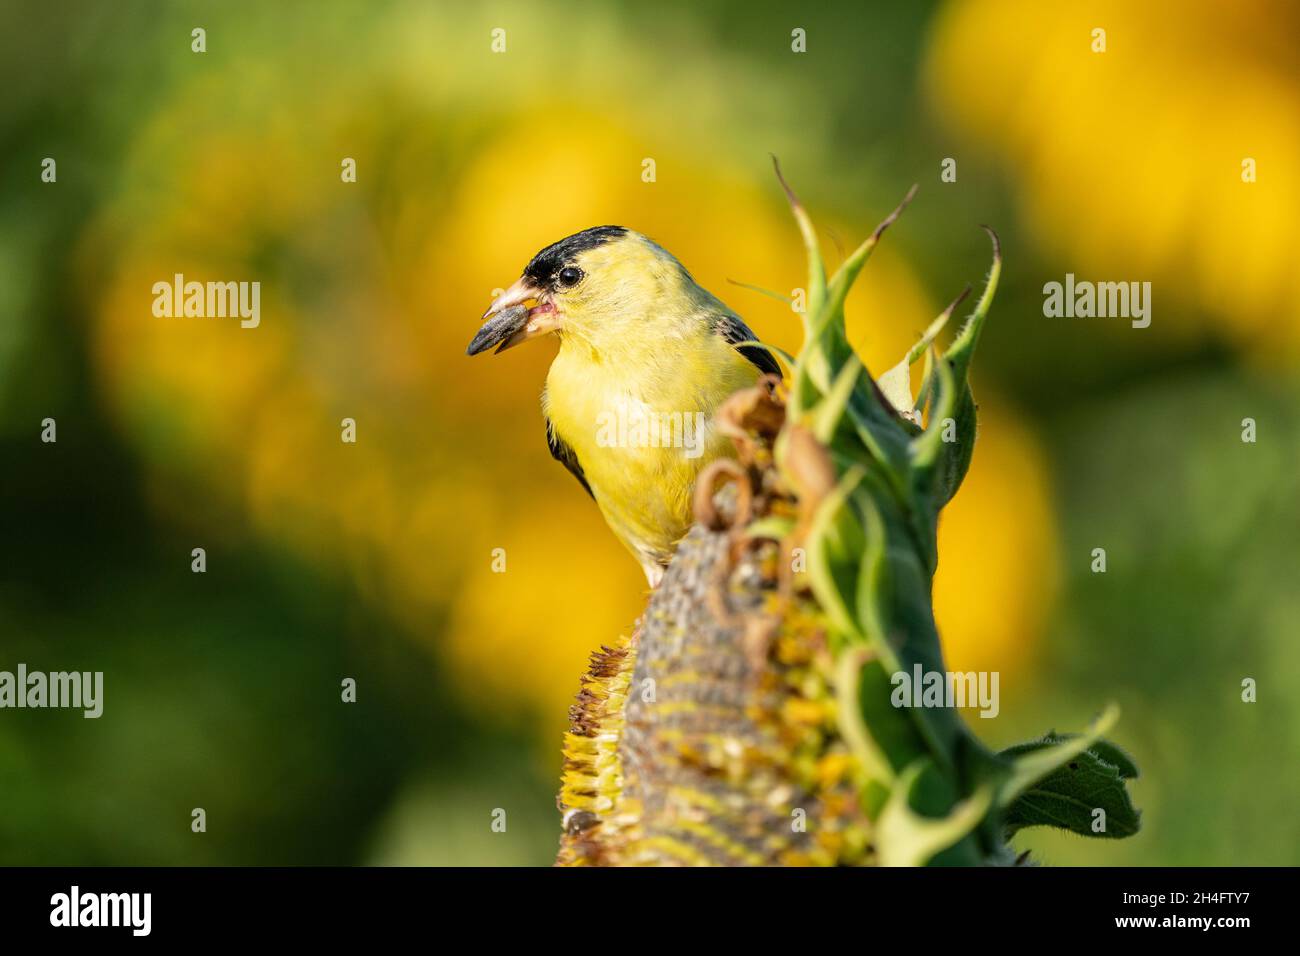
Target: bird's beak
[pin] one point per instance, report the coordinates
(510, 320)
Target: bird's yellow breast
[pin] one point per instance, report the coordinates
(640, 422)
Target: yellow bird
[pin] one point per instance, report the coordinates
(646, 357)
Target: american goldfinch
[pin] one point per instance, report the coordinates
(646, 357)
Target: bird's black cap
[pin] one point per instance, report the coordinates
(559, 254)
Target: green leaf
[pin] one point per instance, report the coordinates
(848, 271)
(1060, 780)
(882, 432)
(812, 370)
(816, 271)
(829, 411)
(871, 595)
(1113, 754)
(962, 350)
(896, 384)
(1068, 797)
(1107, 751)
(855, 730)
(831, 574)
(1045, 756)
(956, 455)
(927, 448)
(907, 838)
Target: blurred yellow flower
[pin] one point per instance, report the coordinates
(528, 616)
(1130, 161)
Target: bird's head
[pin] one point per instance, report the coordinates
(590, 286)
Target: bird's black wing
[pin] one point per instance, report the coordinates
(563, 452)
(731, 328)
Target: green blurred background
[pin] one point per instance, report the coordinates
(373, 561)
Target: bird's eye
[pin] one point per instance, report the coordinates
(569, 277)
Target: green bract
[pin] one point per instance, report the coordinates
(935, 792)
